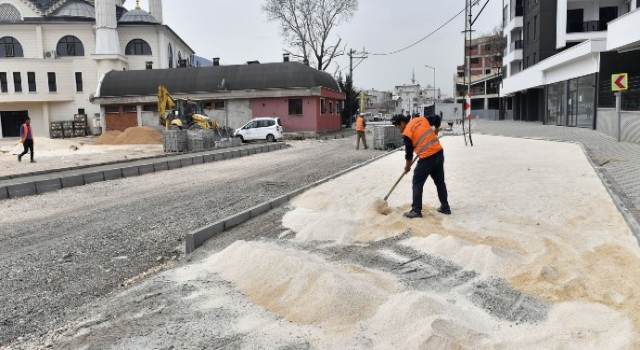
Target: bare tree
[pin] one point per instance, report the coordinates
(307, 26)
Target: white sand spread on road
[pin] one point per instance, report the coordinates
(60, 153)
(531, 212)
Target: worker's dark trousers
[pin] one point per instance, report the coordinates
(28, 146)
(433, 166)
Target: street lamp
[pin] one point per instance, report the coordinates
(434, 85)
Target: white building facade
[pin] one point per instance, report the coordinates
(559, 57)
(53, 54)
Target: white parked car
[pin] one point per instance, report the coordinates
(268, 128)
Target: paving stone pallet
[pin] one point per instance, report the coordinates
(53, 181)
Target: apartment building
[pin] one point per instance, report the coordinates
(559, 57)
(53, 53)
(485, 61)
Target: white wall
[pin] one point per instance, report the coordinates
(239, 113)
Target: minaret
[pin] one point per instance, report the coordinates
(155, 9)
(107, 40)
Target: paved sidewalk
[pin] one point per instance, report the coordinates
(618, 163)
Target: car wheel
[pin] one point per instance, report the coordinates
(241, 138)
(271, 138)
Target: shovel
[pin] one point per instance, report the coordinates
(381, 205)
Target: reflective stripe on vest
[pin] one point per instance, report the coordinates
(360, 124)
(424, 139)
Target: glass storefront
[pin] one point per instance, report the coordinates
(572, 102)
(555, 103)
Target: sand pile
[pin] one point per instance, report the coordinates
(140, 135)
(549, 227)
(302, 287)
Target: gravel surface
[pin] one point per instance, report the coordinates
(63, 250)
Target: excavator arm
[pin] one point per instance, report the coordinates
(165, 101)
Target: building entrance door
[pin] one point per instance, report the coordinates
(572, 103)
(11, 121)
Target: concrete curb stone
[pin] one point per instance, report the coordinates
(198, 237)
(162, 166)
(22, 190)
(48, 186)
(146, 169)
(90, 178)
(4, 193)
(112, 174)
(72, 181)
(185, 162)
(131, 171)
(197, 160)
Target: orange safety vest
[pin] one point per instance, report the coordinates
(360, 124)
(424, 139)
(25, 131)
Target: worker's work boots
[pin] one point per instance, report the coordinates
(412, 214)
(444, 210)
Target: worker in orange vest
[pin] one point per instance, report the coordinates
(360, 130)
(420, 137)
(26, 137)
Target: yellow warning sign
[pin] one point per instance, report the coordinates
(620, 82)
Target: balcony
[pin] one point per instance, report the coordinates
(624, 32)
(584, 27)
(517, 45)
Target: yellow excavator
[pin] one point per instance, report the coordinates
(183, 114)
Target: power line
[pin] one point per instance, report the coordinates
(421, 40)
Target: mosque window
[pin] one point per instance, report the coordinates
(9, 13)
(70, 46)
(170, 56)
(10, 47)
(137, 47)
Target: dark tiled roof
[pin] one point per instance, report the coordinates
(213, 79)
(43, 4)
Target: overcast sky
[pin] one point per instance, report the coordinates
(238, 31)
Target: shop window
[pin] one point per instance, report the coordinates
(129, 109)
(219, 105)
(323, 106)
(112, 109)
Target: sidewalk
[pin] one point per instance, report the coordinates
(618, 163)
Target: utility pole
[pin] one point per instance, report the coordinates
(351, 54)
(470, 32)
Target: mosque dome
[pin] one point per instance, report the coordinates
(75, 9)
(138, 16)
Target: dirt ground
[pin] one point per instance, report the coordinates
(534, 256)
(58, 153)
(63, 250)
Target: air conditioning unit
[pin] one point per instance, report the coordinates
(51, 54)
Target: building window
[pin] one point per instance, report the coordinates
(219, 105)
(607, 14)
(53, 86)
(295, 106)
(17, 82)
(112, 109)
(137, 47)
(170, 52)
(535, 28)
(575, 20)
(535, 57)
(79, 84)
(70, 46)
(3, 82)
(475, 60)
(330, 107)
(31, 80)
(323, 106)
(10, 47)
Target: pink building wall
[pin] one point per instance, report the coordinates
(310, 121)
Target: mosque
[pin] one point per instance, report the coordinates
(53, 53)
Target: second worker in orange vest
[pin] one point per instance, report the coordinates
(421, 138)
(360, 130)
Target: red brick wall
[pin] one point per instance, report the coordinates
(121, 121)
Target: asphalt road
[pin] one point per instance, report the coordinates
(66, 249)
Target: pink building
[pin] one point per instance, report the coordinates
(305, 99)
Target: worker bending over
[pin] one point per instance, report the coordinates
(421, 136)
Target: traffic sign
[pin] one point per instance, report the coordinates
(620, 82)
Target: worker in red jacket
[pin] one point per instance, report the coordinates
(26, 137)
